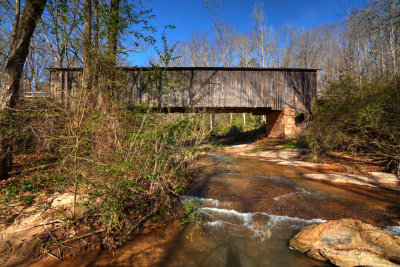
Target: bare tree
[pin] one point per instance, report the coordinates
(35, 72)
(96, 24)
(113, 29)
(308, 47)
(58, 27)
(287, 35)
(87, 42)
(224, 44)
(16, 20)
(259, 34)
(9, 89)
(224, 37)
(244, 51)
(199, 50)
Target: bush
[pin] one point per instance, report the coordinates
(358, 116)
(130, 164)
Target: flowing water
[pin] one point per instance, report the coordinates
(254, 208)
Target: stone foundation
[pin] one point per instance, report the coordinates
(281, 123)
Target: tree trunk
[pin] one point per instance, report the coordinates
(97, 25)
(113, 31)
(16, 20)
(96, 30)
(87, 42)
(113, 41)
(393, 47)
(9, 88)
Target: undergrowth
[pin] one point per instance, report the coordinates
(129, 164)
(358, 115)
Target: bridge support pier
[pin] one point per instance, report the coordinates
(281, 123)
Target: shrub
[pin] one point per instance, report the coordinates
(130, 163)
(358, 115)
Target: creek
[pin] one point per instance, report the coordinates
(255, 208)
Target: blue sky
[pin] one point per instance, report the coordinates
(190, 15)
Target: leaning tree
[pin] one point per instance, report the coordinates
(23, 29)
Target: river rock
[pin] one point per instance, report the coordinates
(281, 154)
(342, 178)
(385, 178)
(348, 242)
(66, 201)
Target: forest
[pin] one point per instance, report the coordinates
(120, 168)
(364, 43)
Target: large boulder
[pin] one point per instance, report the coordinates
(348, 242)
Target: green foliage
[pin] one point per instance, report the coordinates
(235, 128)
(39, 181)
(179, 190)
(140, 167)
(257, 150)
(10, 191)
(130, 163)
(160, 216)
(30, 184)
(294, 144)
(192, 216)
(357, 115)
(28, 199)
(297, 113)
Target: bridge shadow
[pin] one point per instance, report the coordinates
(301, 84)
(389, 215)
(235, 135)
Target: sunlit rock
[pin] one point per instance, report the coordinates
(342, 178)
(348, 242)
(385, 178)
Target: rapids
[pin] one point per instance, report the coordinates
(253, 208)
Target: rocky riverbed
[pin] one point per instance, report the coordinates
(252, 207)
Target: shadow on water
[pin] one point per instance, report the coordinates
(199, 187)
(367, 197)
(232, 259)
(173, 246)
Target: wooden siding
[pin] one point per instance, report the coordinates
(233, 89)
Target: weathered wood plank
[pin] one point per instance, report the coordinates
(248, 89)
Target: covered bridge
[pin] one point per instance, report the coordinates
(274, 92)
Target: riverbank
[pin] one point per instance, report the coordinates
(82, 179)
(360, 169)
(46, 230)
(255, 207)
(33, 221)
(54, 221)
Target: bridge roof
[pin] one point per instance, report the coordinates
(202, 68)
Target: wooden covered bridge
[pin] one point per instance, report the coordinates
(274, 92)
